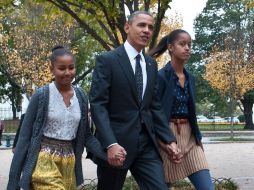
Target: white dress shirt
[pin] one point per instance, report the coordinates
(62, 121)
(132, 53)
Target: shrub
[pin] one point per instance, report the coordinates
(241, 118)
(130, 184)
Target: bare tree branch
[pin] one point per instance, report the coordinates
(111, 22)
(136, 5)
(114, 39)
(147, 4)
(129, 5)
(73, 4)
(10, 78)
(82, 76)
(163, 5)
(82, 24)
(121, 20)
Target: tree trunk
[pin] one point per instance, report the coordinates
(247, 107)
(15, 98)
(13, 107)
(14, 112)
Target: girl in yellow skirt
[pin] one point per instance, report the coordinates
(54, 133)
(177, 93)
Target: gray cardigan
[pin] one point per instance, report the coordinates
(28, 146)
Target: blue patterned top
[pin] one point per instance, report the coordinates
(181, 98)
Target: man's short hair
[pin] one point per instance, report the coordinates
(131, 17)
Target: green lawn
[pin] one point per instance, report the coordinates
(220, 127)
(235, 139)
(12, 126)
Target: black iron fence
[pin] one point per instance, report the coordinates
(7, 114)
(6, 117)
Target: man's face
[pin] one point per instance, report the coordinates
(140, 31)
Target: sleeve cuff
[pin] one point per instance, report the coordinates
(111, 145)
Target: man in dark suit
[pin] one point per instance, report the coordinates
(127, 113)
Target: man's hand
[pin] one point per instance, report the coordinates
(116, 155)
(173, 152)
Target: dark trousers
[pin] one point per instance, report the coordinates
(1, 132)
(147, 169)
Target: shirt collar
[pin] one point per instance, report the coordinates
(131, 51)
(176, 77)
(59, 95)
(169, 68)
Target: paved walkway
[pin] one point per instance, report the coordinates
(229, 160)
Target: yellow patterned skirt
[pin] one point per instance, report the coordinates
(55, 166)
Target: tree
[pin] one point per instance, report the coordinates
(167, 26)
(25, 56)
(104, 19)
(8, 92)
(225, 71)
(250, 3)
(85, 48)
(219, 20)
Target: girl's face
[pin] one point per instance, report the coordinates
(64, 70)
(181, 47)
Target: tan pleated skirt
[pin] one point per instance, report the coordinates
(193, 156)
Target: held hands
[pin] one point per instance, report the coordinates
(174, 153)
(116, 155)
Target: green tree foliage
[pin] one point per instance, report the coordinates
(85, 48)
(221, 20)
(9, 89)
(24, 58)
(104, 20)
(11, 93)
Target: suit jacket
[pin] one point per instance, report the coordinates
(115, 108)
(166, 94)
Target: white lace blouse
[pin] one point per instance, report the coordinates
(62, 121)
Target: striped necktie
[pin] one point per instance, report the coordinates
(139, 78)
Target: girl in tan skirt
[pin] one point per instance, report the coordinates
(177, 93)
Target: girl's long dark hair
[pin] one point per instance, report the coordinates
(163, 43)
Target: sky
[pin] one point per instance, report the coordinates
(189, 10)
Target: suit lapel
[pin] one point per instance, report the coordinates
(169, 93)
(191, 90)
(125, 64)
